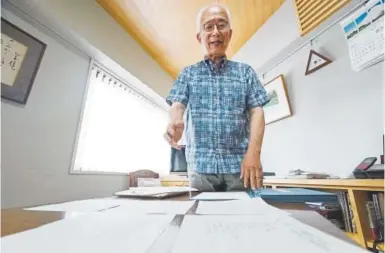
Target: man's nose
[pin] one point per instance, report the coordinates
(215, 30)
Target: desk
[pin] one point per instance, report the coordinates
(342, 184)
(17, 220)
(358, 192)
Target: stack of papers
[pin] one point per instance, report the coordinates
(221, 196)
(153, 207)
(256, 206)
(128, 206)
(233, 223)
(92, 233)
(87, 205)
(154, 192)
(254, 233)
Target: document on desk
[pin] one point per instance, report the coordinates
(254, 233)
(255, 206)
(95, 232)
(131, 206)
(153, 207)
(155, 192)
(86, 205)
(221, 196)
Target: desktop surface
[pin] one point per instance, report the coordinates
(17, 220)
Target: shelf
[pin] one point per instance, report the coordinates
(359, 191)
(370, 245)
(354, 184)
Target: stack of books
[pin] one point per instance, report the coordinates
(348, 216)
(375, 210)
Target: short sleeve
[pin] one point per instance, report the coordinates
(256, 93)
(179, 92)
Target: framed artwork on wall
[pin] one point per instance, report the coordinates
(315, 62)
(21, 55)
(279, 106)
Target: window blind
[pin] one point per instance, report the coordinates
(121, 130)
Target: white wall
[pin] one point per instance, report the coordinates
(337, 119)
(38, 140)
(264, 44)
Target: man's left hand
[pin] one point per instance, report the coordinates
(251, 170)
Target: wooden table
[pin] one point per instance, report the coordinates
(18, 220)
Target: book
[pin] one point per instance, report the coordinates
(376, 220)
(294, 195)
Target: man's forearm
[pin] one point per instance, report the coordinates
(257, 129)
(177, 111)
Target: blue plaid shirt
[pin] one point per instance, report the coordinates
(217, 100)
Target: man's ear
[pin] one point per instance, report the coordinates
(230, 33)
(199, 37)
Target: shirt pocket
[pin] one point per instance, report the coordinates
(234, 95)
(200, 94)
(199, 102)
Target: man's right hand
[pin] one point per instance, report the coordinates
(174, 133)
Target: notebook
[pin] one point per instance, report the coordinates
(294, 195)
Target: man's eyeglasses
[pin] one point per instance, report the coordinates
(209, 27)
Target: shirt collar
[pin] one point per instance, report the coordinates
(214, 66)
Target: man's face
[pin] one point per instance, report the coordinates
(215, 32)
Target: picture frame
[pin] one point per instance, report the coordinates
(279, 106)
(315, 62)
(21, 55)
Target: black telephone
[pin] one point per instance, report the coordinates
(366, 163)
(367, 169)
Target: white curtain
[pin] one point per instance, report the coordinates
(121, 130)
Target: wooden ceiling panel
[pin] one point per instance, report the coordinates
(166, 29)
(311, 13)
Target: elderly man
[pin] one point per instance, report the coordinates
(223, 100)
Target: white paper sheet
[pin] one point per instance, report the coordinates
(126, 205)
(153, 191)
(87, 205)
(153, 207)
(316, 220)
(254, 233)
(255, 206)
(221, 196)
(92, 233)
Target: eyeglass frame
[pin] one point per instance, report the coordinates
(227, 25)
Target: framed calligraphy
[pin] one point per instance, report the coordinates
(21, 54)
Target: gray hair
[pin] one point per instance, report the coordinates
(203, 9)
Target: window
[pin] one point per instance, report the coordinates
(121, 130)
